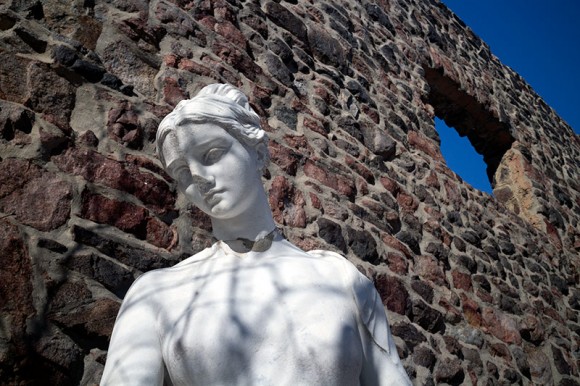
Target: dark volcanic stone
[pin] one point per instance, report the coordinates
(449, 371)
(411, 239)
(131, 255)
(90, 71)
(111, 275)
(326, 48)
(286, 19)
(560, 362)
(423, 289)
(363, 244)
(331, 232)
(424, 356)
(427, 317)
(408, 333)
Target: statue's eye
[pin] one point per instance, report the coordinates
(213, 155)
(181, 173)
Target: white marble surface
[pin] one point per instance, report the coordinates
(278, 316)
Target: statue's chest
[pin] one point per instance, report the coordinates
(242, 323)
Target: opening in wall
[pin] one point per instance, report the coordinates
(462, 158)
(459, 110)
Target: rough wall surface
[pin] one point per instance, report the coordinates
(480, 289)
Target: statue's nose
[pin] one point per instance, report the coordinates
(202, 183)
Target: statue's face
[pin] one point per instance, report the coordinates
(213, 169)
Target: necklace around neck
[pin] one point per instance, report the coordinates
(242, 245)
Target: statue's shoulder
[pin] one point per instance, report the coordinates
(349, 270)
(157, 277)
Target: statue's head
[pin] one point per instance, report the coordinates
(215, 149)
(220, 104)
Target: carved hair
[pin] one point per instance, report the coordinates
(223, 105)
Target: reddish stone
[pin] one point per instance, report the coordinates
(38, 199)
(452, 314)
(15, 291)
(196, 68)
(432, 180)
(123, 125)
(500, 350)
(231, 33)
(298, 142)
(123, 215)
(394, 243)
(161, 235)
(393, 293)
(306, 243)
(428, 268)
(461, 280)
(208, 22)
(540, 368)
(425, 145)
(553, 235)
(315, 201)
(57, 105)
(315, 126)
(346, 187)
(433, 226)
(484, 296)
(371, 113)
(407, 202)
(147, 163)
(287, 203)
(362, 187)
(14, 77)
(95, 167)
(170, 60)
(554, 315)
(238, 59)
(452, 190)
(397, 263)
(173, 93)
(532, 329)
(320, 174)
(335, 210)
(284, 157)
(89, 139)
(360, 169)
(391, 185)
(501, 325)
(471, 311)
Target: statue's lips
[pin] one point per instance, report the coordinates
(211, 195)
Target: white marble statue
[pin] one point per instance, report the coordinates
(252, 309)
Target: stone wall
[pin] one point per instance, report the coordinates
(480, 289)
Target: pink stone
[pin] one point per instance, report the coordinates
(39, 199)
(393, 293)
(501, 325)
(461, 280)
(425, 145)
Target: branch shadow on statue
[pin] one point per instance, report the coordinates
(252, 308)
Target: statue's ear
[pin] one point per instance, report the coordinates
(262, 155)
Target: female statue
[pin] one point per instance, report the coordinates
(252, 309)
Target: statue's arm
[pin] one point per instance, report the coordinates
(382, 365)
(134, 356)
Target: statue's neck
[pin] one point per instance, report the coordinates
(252, 224)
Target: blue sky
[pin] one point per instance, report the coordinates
(540, 40)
